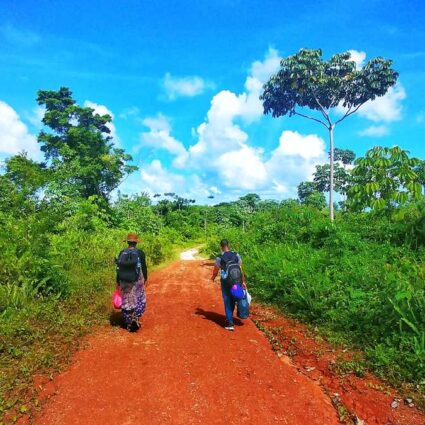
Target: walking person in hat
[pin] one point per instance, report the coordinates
(132, 275)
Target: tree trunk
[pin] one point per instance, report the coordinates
(331, 183)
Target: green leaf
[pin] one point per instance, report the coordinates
(402, 295)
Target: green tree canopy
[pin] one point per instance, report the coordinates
(249, 201)
(305, 80)
(346, 156)
(78, 147)
(27, 174)
(385, 178)
(305, 189)
(322, 178)
(136, 214)
(316, 199)
(308, 194)
(420, 171)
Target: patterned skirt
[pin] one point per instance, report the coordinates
(133, 299)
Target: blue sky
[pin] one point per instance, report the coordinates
(182, 79)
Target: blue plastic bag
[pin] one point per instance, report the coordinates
(237, 292)
(243, 307)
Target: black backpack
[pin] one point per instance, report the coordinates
(128, 265)
(232, 273)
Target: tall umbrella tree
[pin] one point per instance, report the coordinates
(306, 81)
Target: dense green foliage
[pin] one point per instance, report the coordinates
(59, 235)
(308, 194)
(384, 179)
(313, 192)
(305, 80)
(57, 269)
(361, 278)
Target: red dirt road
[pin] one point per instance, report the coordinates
(184, 368)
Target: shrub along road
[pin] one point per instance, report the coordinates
(184, 368)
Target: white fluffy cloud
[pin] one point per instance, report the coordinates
(103, 110)
(292, 143)
(214, 190)
(294, 160)
(358, 57)
(159, 137)
(242, 169)
(386, 108)
(223, 147)
(375, 131)
(36, 116)
(190, 86)
(220, 133)
(14, 134)
(222, 153)
(132, 111)
(160, 180)
(251, 105)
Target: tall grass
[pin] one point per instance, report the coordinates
(361, 279)
(56, 283)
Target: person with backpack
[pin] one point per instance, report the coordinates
(132, 275)
(229, 264)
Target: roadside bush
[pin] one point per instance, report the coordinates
(57, 273)
(361, 278)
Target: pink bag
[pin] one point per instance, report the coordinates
(117, 299)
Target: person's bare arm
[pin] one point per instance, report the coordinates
(243, 274)
(215, 272)
(144, 267)
(116, 272)
(243, 278)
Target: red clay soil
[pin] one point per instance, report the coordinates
(184, 368)
(366, 398)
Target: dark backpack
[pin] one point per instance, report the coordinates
(232, 273)
(128, 265)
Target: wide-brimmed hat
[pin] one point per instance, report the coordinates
(132, 237)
